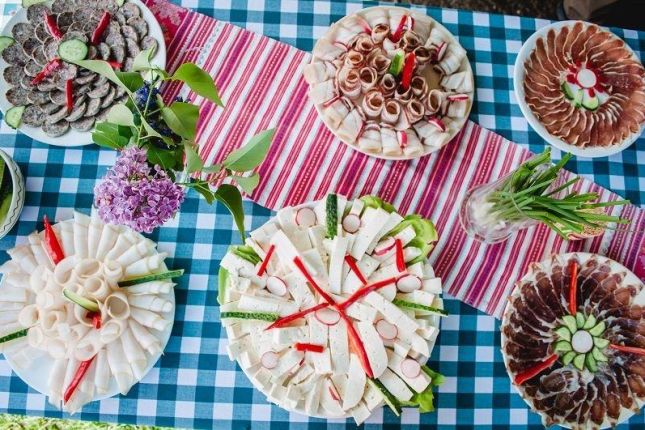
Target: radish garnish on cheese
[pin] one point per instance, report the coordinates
(330, 306)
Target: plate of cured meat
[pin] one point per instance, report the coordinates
(581, 88)
(390, 82)
(573, 341)
(43, 93)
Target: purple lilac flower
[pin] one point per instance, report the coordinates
(136, 195)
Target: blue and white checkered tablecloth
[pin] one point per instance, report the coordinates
(194, 385)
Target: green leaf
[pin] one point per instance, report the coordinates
(252, 154)
(149, 130)
(424, 401)
(182, 119)
(103, 69)
(437, 378)
(193, 162)
(111, 135)
(166, 158)
(121, 115)
(202, 188)
(142, 61)
(247, 183)
(131, 80)
(215, 168)
(199, 81)
(230, 197)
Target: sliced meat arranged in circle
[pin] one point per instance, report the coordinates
(51, 49)
(130, 33)
(133, 48)
(93, 107)
(57, 116)
(39, 55)
(67, 71)
(38, 97)
(149, 42)
(42, 33)
(140, 25)
(37, 12)
(85, 78)
(14, 54)
(30, 45)
(65, 20)
(56, 129)
(58, 98)
(77, 113)
(13, 75)
(17, 96)
(118, 53)
(104, 51)
(130, 10)
(47, 85)
(33, 116)
(108, 100)
(59, 6)
(83, 124)
(32, 68)
(78, 35)
(99, 91)
(22, 31)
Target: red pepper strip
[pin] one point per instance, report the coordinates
(47, 70)
(357, 344)
(308, 347)
(300, 265)
(53, 246)
(400, 260)
(100, 28)
(69, 94)
(365, 291)
(522, 377)
(398, 33)
(96, 319)
(408, 70)
(573, 288)
(351, 262)
(78, 376)
(265, 263)
(114, 64)
(52, 26)
(630, 349)
(280, 322)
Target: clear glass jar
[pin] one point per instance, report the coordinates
(479, 223)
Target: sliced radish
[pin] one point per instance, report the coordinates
(334, 394)
(386, 330)
(269, 360)
(410, 368)
(408, 283)
(306, 217)
(276, 286)
(582, 342)
(327, 316)
(586, 78)
(351, 223)
(403, 139)
(437, 123)
(384, 246)
(441, 50)
(458, 97)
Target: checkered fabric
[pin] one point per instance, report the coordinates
(194, 385)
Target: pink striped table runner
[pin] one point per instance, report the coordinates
(260, 82)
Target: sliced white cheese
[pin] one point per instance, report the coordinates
(300, 291)
(237, 347)
(423, 297)
(312, 259)
(277, 393)
(361, 312)
(313, 398)
(409, 254)
(286, 362)
(367, 265)
(248, 360)
(287, 252)
(416, 342)
(262, 378)
(327, 401)
(429, 333)
(428, 271)
(392, 313)
(290, 335)
(319, 335)
(339, 348)
(357, 207)
(432, 285)
(287, 219)
(267, 304)
(395, 385)
(301, 240)
(293, 396)
(316, 236)
(256, 247)
(416, 269)
(303, 373)
(373, 397)
(418, 384)
(374, 348)
(392, 221)
(372, 221)
(237, 265)
(262, 235)
(355, 383)
(384, 272)
(360, 413)
(336, 263)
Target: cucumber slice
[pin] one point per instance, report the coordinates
(562, 346)
(591, 321)
(590, 362)
(598, 354)
(589, 102)
(81, 301)
(332, 215)
(563, 333)
(580, 320)
(5, 41)
(72, 50)
(261, 316)
(579, 361)
(570, 322)
(13, 336)
(388, 397)
(568, 357)
(577, 98)
(27, 3)
(13, 117)
(152, 277)
(396, 66)
(222, 284)
(419, 307)
(600, 342)
(598, 329)
(568, 91)
(120, 2)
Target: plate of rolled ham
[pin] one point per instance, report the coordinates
(391, 82)
(86, 309)
(581, 88)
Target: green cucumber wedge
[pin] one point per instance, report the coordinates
(13, 117)
(72, 50)
(120, 2)
(389, 398)
(6, 41)
(419, 307)
(262, 316)
(13, 336)
(86, 304)
(396, 66)
(570, 322)
(568, 91)
(332, 215)
(152, 277)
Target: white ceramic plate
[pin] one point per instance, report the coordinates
(37, 374)
(73, 137)
(18, 198)
(630, 278)
(518, 80)
(465, 66)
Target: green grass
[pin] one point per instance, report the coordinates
(20, 422)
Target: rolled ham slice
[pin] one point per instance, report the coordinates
(112, 330)
(461, 82)
(94, 230)
(80, 228)
(107, 241)
(96, 288)
(349, 82)
(391, 112)
(66, 236)
(335, 111)
(327, 49)
(147, 340)
(388, 85)
(323, 91)
(117, 306)
(452, 60)
(373, 104)
(364, 44)
(29, 315)
(380, 63)
(112, 272)
(413, 146)
(123, 242)
(410, 41)
(380, 32)
(154, 287)
(351, 127)
(434, 101)
(390, 142)
(149, 319)
(151, 302)
(354, 60)
(102, 372)
(88, 346)
(458, 107)
(40, 255)
(376, 16)
(318, 71)
(368, 78)
(24, 257)
(145, 266)
(414, 110)
(87, 268)
(370, 140)
(119, 367)
(134, 253)
(63, 270)
(55, 381)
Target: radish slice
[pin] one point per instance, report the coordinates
(383, 247)
(437, 123)
(458, 97)
(351, 223)
(408, 283)
(386, 330)
(403, 139)
(306, 217)
(582, 342)
(441, 50)
(586, 78)
(276, 286)
(334, 394)
(327, 316)
(269, 360)
(410, 368)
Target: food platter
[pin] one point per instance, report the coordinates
(519, 77)
(17, 194)
(601, 314)
(73, 137)
(298, 354)
(384, 118)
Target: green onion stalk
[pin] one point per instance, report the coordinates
(530, 192)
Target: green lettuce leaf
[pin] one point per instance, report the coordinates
(426, 235)
(424, 401)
